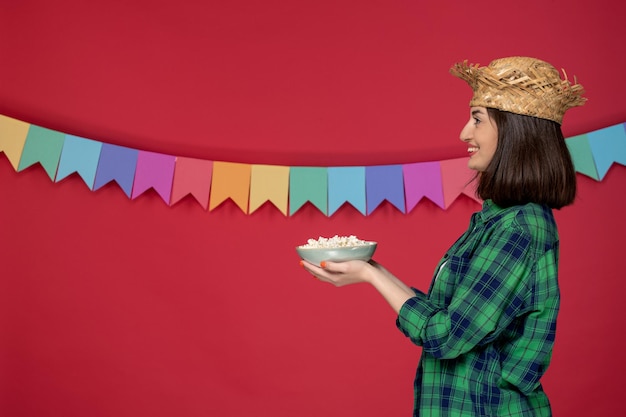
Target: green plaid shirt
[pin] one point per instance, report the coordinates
(487, 324)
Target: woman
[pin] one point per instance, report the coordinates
(487, 324)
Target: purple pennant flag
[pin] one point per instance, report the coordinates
(154, 170)
(116, 163)
(422, 179)
(384, 183)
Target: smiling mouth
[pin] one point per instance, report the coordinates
(472, 150)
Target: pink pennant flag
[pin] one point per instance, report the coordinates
(154, 170)
(192, 176)
(422, 179)
(456, 178)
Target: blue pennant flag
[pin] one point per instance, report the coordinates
(346, 184)
(384, 182)
(608, 145)
(117, 163)
(79, 155)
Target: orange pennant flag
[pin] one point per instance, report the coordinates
(269, 183)
(456, 179)
(13, 134)
(192, 176)
(230, 180)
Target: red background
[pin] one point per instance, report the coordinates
(113, 307)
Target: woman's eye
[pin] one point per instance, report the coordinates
(476, 121)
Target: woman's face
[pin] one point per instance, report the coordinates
(481, 135)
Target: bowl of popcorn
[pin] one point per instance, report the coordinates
(336, 249)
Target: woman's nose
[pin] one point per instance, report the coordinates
(466, 132)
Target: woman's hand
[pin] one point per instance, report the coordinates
(341, 273)
(353, 272)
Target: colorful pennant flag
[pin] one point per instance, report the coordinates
(192, 176)
(118, 164)
(81, 156)
(456, 178)
(422, 179)
(44, 146)
(12, 138)
(308, 184)
(346, 185)
(580, 151)
(230, 180)
(269, 183)
(384, 182)
(608, 145)
(156, 171)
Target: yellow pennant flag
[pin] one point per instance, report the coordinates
(12, 138)
(269, 183)
(230, 180)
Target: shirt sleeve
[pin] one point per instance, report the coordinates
(489, 294)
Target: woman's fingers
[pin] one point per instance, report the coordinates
(338, 273)
(336, 267)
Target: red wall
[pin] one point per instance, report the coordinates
(113, 307)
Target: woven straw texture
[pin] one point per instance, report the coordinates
(521, 85)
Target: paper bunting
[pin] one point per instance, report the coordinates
(288, 189)
(44, 146)
(384, 182)
(81, 156)
(192, 176)
(230, 180)
(118, 164)
(582, 157)
(607, 146)
(422, 179)
(456, 179)
(12, 138)
(346, 185)
(308, 184)
(156, 171)
(269, 183)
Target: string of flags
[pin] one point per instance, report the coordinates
(288, 188)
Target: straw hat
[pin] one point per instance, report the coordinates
(521, 85)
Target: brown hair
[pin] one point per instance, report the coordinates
(531, 164)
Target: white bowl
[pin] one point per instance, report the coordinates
(337, 254)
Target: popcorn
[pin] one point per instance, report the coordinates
(335, 242)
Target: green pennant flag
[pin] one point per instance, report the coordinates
(308, 184)
(582, 157)
(43, 146)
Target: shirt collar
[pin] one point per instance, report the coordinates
(489, 211)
